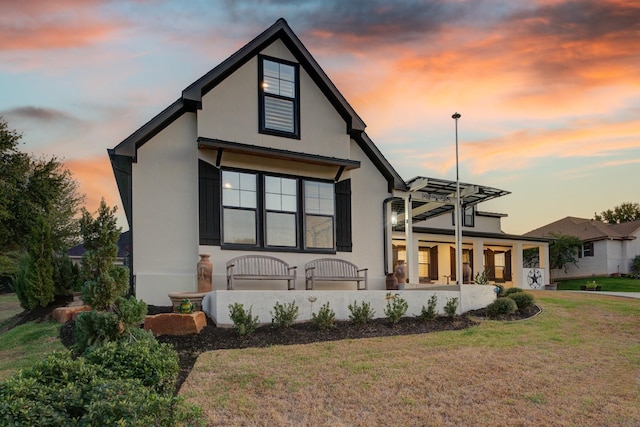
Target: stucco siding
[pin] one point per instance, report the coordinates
(230, 113)
(165, 192)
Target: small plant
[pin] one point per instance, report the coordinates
(430, 312)
(361, 314)
(499, 291)
(635, 267)
(243, 322)
(396, 307)
(451, 307)
(325, 319)
(510, 291)
(501, 307)
(481, 278)
(284, 314)
(311, 300)
(522, 299)
(592, 285)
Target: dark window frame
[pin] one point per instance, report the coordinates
(587, 249)
(261, 215)
(262, 95)
(465, 223)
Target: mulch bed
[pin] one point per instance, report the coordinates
(189, 347)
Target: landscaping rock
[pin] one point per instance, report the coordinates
(64, 314)
(175, 324)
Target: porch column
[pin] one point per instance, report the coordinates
(408, 232)
(543, 253)
(478, 258)
(517, 265)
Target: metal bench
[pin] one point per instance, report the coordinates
(260, 267)
(334, 270)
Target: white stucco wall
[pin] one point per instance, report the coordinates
(165, 213)
(216, 304)
(230, 113)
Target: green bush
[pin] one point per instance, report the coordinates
(325, 319)
(510, 291)
(66, 275)
(144, 358)
(501, 307)
(396, 308)
(635, 267)
(451, 307)
(243, 322)
(361, 314)
(62, 391)
(430, 312)
(93, 327)
(284, 314)
(522, 299)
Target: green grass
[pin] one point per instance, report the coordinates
(24, 345)
(9, 307)
(554, 368)
(609, 284)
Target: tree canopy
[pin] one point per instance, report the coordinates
(625, 212)
(563, 251)
(32, 186)
(33, 189)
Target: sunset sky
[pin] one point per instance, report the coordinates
(549, 90)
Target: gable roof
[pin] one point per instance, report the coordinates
(191, 98)
(588, 230)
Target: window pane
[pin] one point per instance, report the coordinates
(248, 199)
(231, 179)
(247, 181)
(239, 226)
(287, 72)
(325, 207)
(281, 229)
(325, 190)
(230, 197)
(319, 232)
(272, 202)
(289, 203)
(272, 184)
(270, 68)
(311, 189)
(289, 186)
(287, 89)
(278, 114)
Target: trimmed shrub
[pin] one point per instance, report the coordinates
(243, 322)
(430, 312)
(522, 299)
(361, 314)
(284, 314)
(451, 307)
(510, 291)
(501, 307)
(154, 364)
(396, 308)
(325, 319)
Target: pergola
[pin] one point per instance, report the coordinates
(428, 198)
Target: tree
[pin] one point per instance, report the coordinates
(31, 188)
(625, 212)
(105, 285)
(563, 251)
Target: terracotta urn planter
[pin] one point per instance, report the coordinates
(391, 282)
(205, 271)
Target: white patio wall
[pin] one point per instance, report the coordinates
(216, 303)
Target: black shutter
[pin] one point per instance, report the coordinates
(343, 216)
(452, 262)
(433, 263)
(490, 263)
(209, 203)
(507, 266)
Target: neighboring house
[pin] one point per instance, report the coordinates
(608, 249)
(122, 258)
(263, 155)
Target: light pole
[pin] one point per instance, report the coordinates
(458, 231)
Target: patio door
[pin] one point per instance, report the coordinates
(467, 256)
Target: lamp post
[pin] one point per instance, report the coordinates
(458, 231)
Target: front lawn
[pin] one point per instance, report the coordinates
(576, 363)
(609, 284)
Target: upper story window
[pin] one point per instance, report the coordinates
(468, 216)
(279, 91)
